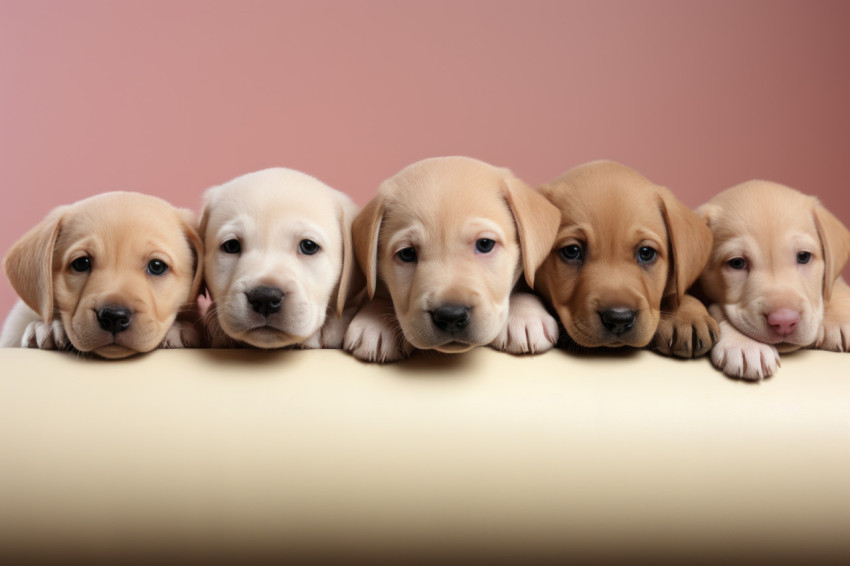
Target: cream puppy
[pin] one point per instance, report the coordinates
(107, 275)
(443, 245)
(279, 263)
(773, 279)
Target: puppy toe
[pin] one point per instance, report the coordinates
(375, 342)
(45, 336)
(332, 333)
(684, 338)
(182, 334)
(835, 337)
(532, 335)
(752, 361)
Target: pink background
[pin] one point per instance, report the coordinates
(171, 97)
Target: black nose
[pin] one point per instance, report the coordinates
(265, 300)
(618, 321)
(114, 319)
(450, 318)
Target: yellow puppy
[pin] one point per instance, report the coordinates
(279, 265)
(773, 279)
(625, 255)
(107, 275)
(442, 245)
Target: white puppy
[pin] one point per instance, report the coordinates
(279, 261)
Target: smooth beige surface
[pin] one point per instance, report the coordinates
(250, 454)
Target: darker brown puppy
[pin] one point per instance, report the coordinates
(625, 254)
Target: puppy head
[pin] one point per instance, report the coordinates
(116, 268)
(623, 245)
(449, 237)
(776, 256)
(278, 246)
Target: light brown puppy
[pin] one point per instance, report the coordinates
(107, 275)
(279, 266)
(773, 279)
(625, 254)
(443, 245)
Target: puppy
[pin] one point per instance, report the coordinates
(773, 279)
(107, 275)
(625, 254)
(442, 245)
(279, 261)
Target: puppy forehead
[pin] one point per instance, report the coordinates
(123, 221)
(446, 216)
(271, 207)
(768, 212)
(611, 211)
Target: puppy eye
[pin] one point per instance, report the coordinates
(157, 267)
(308, 247)
(737, 263)
(231, 247)
(804, 257)
(81, 264)
(646, 254)
(571, 253)
(485, 245)
(406, 255)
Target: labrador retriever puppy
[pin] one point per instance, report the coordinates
(625, 254)
(443, 245)
(279, 266)
(773, 280)
(108, 275)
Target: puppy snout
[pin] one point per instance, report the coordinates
(265, 300)
(618, 320)
(450, 318)
(114, 319)
(783, 321)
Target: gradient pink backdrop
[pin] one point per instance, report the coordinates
(171, 97)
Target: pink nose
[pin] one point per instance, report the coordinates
(783, 321)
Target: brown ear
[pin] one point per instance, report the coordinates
(364, 236)
(690, 242)
(196, 242)
(835, 241)
(29, 264)
(537, 222)
(350, 278)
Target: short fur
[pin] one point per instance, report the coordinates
(121, 233)
(269, 213)
(610, 212)
(441, 208)
(766, 299)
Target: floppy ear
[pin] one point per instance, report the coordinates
(196, 242)
(690, 242)
(835, 241)
(350, 278)
(29, 264)
(537, 221)
(364, 236)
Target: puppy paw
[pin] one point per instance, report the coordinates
(688, 332)
(45, 336)
(685, 338)
(530, 328)
(745, 359)
(374, 335)
(182, 334)
(834, 336)
(331, 335)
